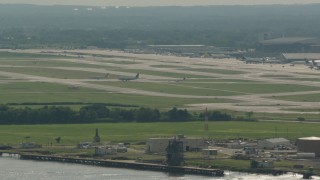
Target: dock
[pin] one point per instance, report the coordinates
(128, 165)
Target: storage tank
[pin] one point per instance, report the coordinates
(309, 145)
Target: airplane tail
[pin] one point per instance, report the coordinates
(137, 76)
(306, 61)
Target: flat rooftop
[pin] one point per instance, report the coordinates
(290, 40)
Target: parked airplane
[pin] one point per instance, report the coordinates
(129, 78)
(100, 77)
(249, 60)
(307, 63)
(312, 64)
(315, 65)
(272, 60)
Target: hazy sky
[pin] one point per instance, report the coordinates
(155, 2)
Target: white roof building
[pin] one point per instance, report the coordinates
(300, 56)
(159, 145)
(272, 143)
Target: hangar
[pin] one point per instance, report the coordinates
(294, 57)
(290, 45)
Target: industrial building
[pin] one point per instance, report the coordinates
(159, 145)
(273, 143)
(290, 45)
(295, 57)
(309, 145)
(190, 50)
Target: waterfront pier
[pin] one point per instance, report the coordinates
(127, 164)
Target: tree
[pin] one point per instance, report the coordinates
(147, 115)
(178, 115)
(58, 139)
(249, 114)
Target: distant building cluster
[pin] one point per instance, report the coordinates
(290, 45)
(187, 50)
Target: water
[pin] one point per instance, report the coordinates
(15, 169)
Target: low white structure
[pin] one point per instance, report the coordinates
(121, 148)
(273, 143)
(159, 145)
(84, 145)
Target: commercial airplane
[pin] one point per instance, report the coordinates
(272, 60)
(307, 63)
(129, 78)
(101, 77)
(315, 65)
(312, 65)
(249, 60)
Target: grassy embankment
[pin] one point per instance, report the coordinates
(139, 132)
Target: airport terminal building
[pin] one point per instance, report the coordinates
(290, 45)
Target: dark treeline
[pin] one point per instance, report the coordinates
(26, 26)
(99, 113)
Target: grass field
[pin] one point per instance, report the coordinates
(116, 61)
(304, 79)
(97, 97)
(218, 71)
(276, 116)
(215, 80)
(49, 92)
(5, 54)
(256, 88)
(305, 110)
(212, 89)
(165, 74)
(300, 98)
(165, 66)
(45, 63)
(139, 132)
(174, 88)
(28, 87)
(53, 73)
